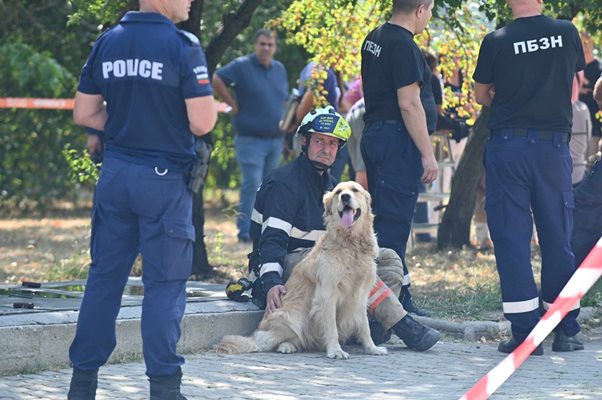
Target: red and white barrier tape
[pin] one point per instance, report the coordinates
(582, 280)
(51, 104)
(59, 104)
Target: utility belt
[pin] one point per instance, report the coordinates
(552, 136)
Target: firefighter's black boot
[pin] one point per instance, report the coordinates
(166, 387)
(83, 385)
(416, 336)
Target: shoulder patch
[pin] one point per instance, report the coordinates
(189, 37)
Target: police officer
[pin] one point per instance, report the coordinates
(528, 164)
(287, 222)
(145, 84)
(400, 113)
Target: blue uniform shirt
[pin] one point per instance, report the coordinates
(261, 94)
(145, 63)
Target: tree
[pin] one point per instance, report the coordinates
(332, 32)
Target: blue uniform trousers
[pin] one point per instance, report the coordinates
(393, 167)
(530, 177)
(138, 209)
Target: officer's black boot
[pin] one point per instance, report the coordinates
(408, 303)
(416, 336)
(83, 385)
(166, 387)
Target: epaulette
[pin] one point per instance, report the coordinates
(189, 37)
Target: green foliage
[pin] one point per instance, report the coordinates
(223, 171)
(32, 166)
(81, 167)
(107, 11)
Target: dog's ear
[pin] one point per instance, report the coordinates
(327, 200)
(367, 196)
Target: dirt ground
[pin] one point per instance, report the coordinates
(55, 248)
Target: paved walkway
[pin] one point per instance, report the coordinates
(445, 372)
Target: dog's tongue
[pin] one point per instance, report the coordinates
(347, 217)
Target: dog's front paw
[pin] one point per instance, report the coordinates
(286, 348)
(376, 350)
(338, 354)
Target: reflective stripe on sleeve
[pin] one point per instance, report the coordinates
(312, 235)
(257, 217)
(277, 223)
(270, 267)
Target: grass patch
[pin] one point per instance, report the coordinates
(456, 284)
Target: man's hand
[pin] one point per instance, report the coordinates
(274, 299)
(431, 169)
(233, 110)
(94, 145)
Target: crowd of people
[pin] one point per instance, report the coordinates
(147, 87)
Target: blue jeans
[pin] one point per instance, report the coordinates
(256, 157)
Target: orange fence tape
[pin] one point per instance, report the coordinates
(51, 104)
(59, 104)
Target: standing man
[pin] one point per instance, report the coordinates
(145, 84)
(400, 114)
(528, 164)
(260, 84)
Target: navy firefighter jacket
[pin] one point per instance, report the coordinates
(287, 216)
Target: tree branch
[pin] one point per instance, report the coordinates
(233, 23)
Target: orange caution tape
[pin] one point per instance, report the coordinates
(51, 104)
(59, 104)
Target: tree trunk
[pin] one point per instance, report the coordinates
(454, 229)
(193, 23)
(200, 262)
(234, 22)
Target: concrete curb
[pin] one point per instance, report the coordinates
(475, 330)
(42, 343)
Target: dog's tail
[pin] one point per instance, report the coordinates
(259, 341)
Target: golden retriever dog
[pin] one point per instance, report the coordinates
(327, 292)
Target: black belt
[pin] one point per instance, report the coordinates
(544, 135)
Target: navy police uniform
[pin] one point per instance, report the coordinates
(144, 68)
(531, 63)
(391, 60)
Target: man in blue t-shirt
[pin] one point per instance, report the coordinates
(260, 86)
(400, 114)
(145, 84)
(525, 74)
